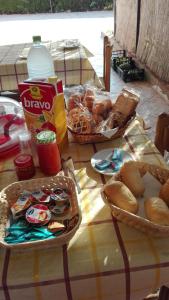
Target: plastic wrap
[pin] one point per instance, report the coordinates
(91, 110)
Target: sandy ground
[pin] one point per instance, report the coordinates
(86, 26)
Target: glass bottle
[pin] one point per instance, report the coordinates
(48, 152)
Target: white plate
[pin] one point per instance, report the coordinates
(69, 44)
(105, 154)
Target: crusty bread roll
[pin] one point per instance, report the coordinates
(164, 192)
(131, 176)
(156, 210)
(119, 195)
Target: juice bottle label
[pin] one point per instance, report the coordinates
(43, 108)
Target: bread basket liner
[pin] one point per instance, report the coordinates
(9, 195)
(85, 138)
(136, 221)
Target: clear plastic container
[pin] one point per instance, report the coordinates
(39, 61)
(12, 124)
(25, 142)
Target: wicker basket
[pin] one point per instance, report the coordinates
(10, 194)
(137, 221)
(86, 138)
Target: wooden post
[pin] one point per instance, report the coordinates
(138, 21)
(162, 123)
(107, 52)
(114, 9)
(105, 41)
(166, 138)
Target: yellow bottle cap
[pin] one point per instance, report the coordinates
(52, 79)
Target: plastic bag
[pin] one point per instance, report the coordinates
(91, 110)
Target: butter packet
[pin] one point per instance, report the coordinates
(22, 203)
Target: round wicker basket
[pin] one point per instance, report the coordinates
(137, 221)
(10, 194)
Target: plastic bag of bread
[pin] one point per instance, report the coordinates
(80, 120)
(91, 110)
(74, 96)
(127, 102)
(87, 108)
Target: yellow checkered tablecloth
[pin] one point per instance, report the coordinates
(105, 260)
(71, 65)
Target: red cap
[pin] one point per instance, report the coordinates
(23, 160)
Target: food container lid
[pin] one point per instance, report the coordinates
(38, 214)
(53, 79)
(46, 136)
(12, 123)
(23, 160)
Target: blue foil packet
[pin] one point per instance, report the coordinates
(103, 164)
(116, 155)
(21, 231)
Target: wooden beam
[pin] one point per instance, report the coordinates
(138, 21)
(114, 9)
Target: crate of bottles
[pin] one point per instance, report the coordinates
(130, 72)
(118, 57)
(125, 66)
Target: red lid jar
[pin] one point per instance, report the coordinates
(24, 166)
(48, 152)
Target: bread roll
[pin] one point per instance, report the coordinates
(164, 192)
(98, 108)
(88, 102)
(119, 195)
(131, 176)
(156, 211)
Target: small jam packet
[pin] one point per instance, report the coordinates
(38, 214)
(60, 196)
(45, 199)
(60, 210)
(38, 194)
(55, 226)
(71, 223)
(41, 196)
(59, 191)
(22, 203)
(46, 191)
(103, 164)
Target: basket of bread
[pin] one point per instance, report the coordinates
(93, 116)
(138, 195)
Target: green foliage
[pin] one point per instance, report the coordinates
(44, 6)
